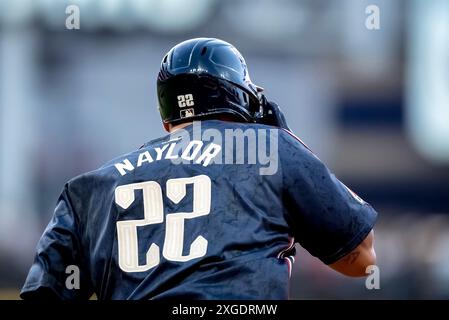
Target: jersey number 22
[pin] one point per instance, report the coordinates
(128, 251)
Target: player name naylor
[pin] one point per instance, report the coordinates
(252, 143)
(192, 152)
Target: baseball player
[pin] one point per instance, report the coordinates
(212, 210)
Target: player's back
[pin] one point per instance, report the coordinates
(210, 213)
(201, 213)
(188, 216)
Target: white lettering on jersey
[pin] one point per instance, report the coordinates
(192, 152)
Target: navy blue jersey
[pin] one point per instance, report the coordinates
(198, 214)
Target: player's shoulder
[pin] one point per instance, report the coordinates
(110, 165)
(224, 124)
(107, 172)
(290, 138)
(286, 140)
(294, 153)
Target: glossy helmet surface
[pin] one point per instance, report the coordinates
(202, 77)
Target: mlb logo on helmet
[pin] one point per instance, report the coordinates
(186, 113)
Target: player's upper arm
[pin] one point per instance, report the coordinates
(355, 263)
(58, 248)
(326, 217)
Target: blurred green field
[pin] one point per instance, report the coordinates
(9, 294)
(13, 294)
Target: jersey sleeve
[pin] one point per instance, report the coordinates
(58, 270)
(327, 218)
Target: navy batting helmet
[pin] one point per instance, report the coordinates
(203, 77)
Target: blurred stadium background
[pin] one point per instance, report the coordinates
(373, 104)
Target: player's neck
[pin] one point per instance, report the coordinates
(173, 128)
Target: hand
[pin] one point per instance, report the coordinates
(272, 114)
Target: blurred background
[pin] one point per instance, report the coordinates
(372, 100)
